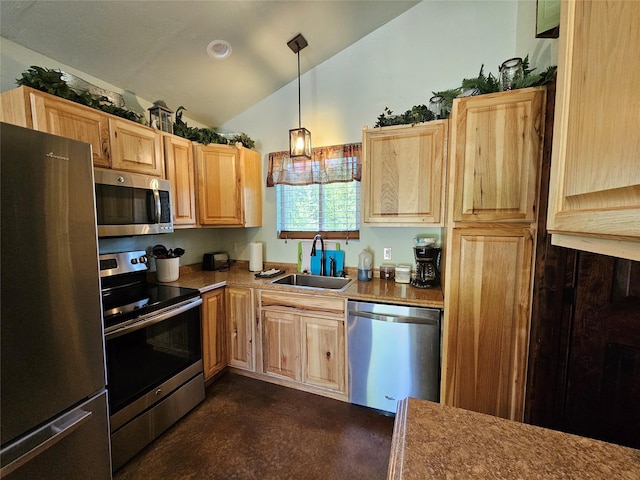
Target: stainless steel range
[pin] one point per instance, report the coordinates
(153, 353)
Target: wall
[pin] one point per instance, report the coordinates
(431, 47)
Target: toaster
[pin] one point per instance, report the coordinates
(215, 261)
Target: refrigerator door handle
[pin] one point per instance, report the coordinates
(23, 451)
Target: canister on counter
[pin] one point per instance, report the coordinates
(403, 273)
(387, 271)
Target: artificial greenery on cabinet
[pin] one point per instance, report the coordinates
(51, 81)
(480, 85)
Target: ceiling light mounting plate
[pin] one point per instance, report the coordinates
(219, 49)
(297, 43)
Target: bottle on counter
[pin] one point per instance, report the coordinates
(365, 261)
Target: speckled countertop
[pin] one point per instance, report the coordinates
(193, 276)
(434, 441)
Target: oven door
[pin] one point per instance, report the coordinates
(149, 359)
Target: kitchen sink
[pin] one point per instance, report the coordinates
(314, 281)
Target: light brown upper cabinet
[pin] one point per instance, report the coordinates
(41, 111)
(116, 142)
(594, 194)
(403, 174)
(496, 143)
(229, 186)
(180, 171)
(135, 148)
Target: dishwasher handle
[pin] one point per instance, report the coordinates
(395, 318)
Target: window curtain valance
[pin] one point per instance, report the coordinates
(337, 163)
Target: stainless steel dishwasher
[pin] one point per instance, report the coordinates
(394, 353)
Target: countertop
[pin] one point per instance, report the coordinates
(192, 276)
(434, 441)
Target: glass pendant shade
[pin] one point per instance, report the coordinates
(299, 143)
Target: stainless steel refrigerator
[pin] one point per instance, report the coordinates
(53, 410)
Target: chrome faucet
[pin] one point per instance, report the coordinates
(313, 252)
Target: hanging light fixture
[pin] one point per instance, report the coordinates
(299, 138)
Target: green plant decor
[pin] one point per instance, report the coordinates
(479, 85)
(50, 81)
(417, 114)
(205, 136)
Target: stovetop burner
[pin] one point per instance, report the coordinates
(126, 294)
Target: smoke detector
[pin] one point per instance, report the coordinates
(219, 49)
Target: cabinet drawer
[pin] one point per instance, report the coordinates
(304, 303)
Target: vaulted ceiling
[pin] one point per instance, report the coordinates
(158, 49)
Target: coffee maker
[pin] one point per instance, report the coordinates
(427, 266)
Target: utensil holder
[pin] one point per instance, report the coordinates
(168, 269)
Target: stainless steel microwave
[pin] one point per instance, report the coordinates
(131, 204)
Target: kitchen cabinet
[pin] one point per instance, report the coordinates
(281, 344)
(135, 148)
(496, 147)
(116, 142)
(487, 306)
(323, 342)
(214, 345)
(229, 186)
(303, 341)
(403, 174)
(41, 111)
(241, 331)
(594, 192)
(180, 171)
(494, 183)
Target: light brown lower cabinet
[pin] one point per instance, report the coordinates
(323, 343)
(214, 332)
(487, 305)
(241, 331)
(303, 341)
(281, 344)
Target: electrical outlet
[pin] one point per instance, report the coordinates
(386, 253)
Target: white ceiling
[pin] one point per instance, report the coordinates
(158, 49)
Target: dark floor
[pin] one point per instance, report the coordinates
(249, 429)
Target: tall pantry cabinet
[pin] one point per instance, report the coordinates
(495, 152)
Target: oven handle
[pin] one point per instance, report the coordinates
(155, 317)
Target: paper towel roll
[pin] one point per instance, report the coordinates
(255, 256)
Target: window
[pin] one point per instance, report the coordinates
(332, 209)
(317, 195)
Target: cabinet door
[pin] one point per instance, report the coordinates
(67, 119)
(486, 318)
(218, 183)
(281, 344)
(240, 315)
(403, 174)
(495, 151)
(323, 352)
(179, 166)
(214, 346)
(595, 169)
(135, 148)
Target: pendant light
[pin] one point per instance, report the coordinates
(299, 138)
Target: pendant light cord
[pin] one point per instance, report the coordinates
(299, 110)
